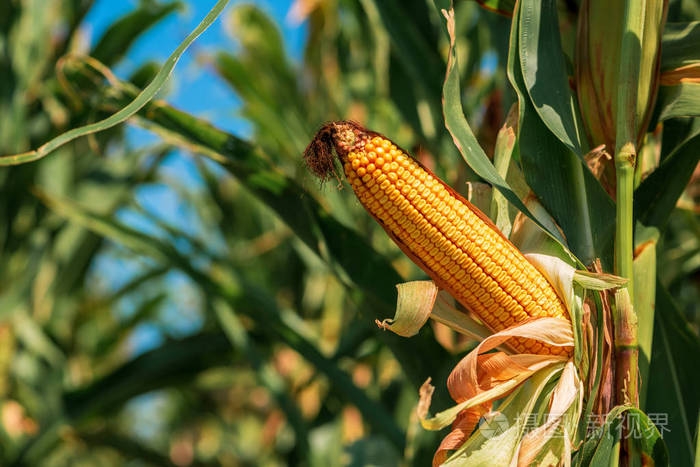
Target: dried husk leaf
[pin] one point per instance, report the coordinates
(413, 306)
(529, 398)
(480, 378)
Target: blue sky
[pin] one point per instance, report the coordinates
(196, 89)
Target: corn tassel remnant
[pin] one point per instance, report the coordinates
(451, 240)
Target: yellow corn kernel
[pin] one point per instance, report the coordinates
(444, 234)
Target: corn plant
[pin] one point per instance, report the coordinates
(539, 165)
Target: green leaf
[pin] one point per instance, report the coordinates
(459, 128)
(657, 195)
(240, 340)
(646, 239)
(414, 45)
(464, 138)
(262, 76)
(681, 100)
(639, 57)
(558, 177)
(34, 338)
(646, 438)
(175, 362)
(496, 441)
(546, 80)
(127, 111)
(674, 379)
(679, 45)
(643, 435)
(607, 450)
(284, 133)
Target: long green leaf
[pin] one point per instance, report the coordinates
(680, 100)
(679, 45)
(672, 394)
(544, 71)
(143, 98)
(558, 177)
(175, 362)
(658, 193)
(645, 247)
(601, 449)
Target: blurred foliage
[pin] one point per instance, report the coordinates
(224, 316)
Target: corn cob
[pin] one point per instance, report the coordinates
(444, 234)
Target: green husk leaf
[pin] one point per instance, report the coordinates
(558, 273)
(515, 414)
(446, 417)
(530, 238)
(497, 449)
(604, 443)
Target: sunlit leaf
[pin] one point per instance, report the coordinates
(658, 193)
(565, 187)
(544, 71)
(680, 100)
(672, 377)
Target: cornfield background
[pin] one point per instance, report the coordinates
(263, 301)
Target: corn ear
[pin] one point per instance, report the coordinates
(445, 235)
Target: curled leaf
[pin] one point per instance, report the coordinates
(413, 306)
